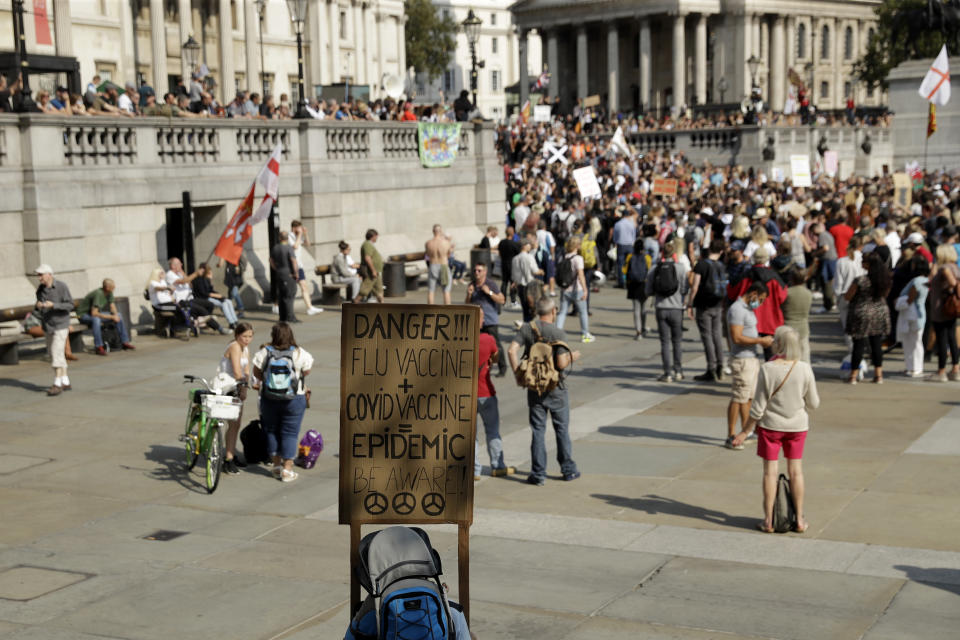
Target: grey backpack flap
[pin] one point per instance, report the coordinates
(784, 512)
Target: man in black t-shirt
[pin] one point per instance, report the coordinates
(285, 264)
(508, 249)
(706, 305)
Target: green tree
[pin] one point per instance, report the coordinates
(894, 42)
(430, 37)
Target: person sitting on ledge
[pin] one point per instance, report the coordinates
(99, 306)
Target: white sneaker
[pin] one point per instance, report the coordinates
(515, 306)
(588, 338)
(312, 311)
(274, 309)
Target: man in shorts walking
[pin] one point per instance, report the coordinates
(744, 365)
(371, 265)
(436, 252)
(55, 303)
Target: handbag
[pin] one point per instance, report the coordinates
(951, 305)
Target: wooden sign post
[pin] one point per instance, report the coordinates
(408, 407)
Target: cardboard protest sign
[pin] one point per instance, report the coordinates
(902, 189)
(591, 101)
(587, 182)
(664, 187)
(541, 113)
(408, 406)
(800, 171)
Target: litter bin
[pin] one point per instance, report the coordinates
(394, 280)
(480, 256)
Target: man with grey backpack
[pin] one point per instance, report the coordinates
(708, 288)
(667, 281)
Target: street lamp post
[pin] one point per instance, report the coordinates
(298, 14)
(471, 27)
(753, 63)
(722, 87)
(261, 10)
(20, 47)
(191, 53)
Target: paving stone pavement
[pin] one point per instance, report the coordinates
(656, 540)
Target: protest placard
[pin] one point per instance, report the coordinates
(831, 162)
(800, 171)
(902, 190)
(664, 187)
(587, 182)
(591, 101)
(541, 113)
(408, 407)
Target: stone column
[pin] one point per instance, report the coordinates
(553, 64)
(401, 46)
(582, 87)
(380, 17)
(812, 38)
(186, 29)
(790, 27)
(158, 48)
(700, 60)
(764, 73)
(679, 61)
(315, 43)
(755, 35)
(63, 28)
(645, 64)
(333, 11)
(227, 81)
(251, 46)
(613, 68)
(836, 59)
(365, 38)
(128, 64)
(524, 75)
(740, 86)
(778, 65)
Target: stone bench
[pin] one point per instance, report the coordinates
(331, 293)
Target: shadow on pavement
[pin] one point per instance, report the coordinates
(946, 579)
(172, 467)
(21, 384)
(644, 432)
(657, 504)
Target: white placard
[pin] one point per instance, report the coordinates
(830, 162)
(587, 182)
(541, 113)
(800, 171)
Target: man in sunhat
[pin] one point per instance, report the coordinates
(55, 303)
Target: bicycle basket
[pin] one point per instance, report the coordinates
(221, 407)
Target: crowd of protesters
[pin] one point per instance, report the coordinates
(843, 242)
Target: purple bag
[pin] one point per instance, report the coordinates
(311, 444)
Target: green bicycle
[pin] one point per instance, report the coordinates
(203, 435)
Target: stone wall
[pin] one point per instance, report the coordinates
(89, 195)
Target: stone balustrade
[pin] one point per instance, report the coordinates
(97, 196)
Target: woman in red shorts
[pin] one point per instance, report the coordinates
(786, 389)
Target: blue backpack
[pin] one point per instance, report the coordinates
(280, 381)
(400, 571)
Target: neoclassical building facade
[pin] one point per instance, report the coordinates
(346, 42)
(663, 53)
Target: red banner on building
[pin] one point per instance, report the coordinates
(40, 22)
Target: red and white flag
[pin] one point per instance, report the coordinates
(936, 84)
(269, 177)
(230, 246)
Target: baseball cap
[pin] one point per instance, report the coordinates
(915, 238)
(44, 268)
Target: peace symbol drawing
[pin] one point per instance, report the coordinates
(375, 503)
(433, 504)
(404, 502)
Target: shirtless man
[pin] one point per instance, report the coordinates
(436, 251)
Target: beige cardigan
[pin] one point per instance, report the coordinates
(787, 410)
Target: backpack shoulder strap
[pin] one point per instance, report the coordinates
(536, 331)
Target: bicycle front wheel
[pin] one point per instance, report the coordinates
(191, 438)
(215, 453)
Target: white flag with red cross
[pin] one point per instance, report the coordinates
(269, 177)
(936, 84)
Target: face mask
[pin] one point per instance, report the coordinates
(753, 304)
